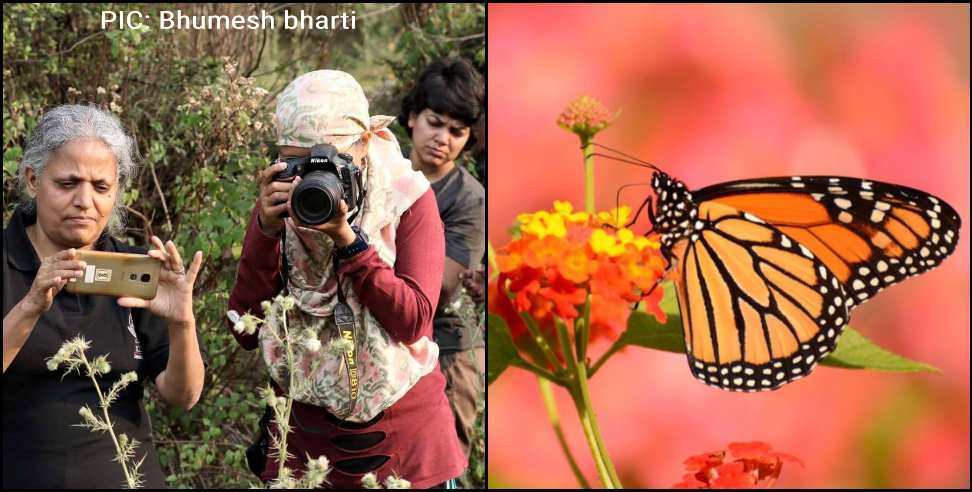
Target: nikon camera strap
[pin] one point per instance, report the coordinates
(347, 328)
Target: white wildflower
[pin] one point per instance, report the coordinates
(312, 345)
(393, 482)
(250, 323)
(287, 303)
(101, 90)
(370, 481)
(100, 365)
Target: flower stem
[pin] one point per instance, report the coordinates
(491, 254)
(585, 410)
(539, 371)
(546, 392)
(129, 477)
(588, 175)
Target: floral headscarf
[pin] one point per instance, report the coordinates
(329, 106)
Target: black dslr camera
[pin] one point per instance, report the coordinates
(327, 177)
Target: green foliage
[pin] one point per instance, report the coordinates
(855, 351)
(200, 104)
(501, 349)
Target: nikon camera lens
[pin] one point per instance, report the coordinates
(316, 197)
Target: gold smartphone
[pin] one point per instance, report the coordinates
(117, 274)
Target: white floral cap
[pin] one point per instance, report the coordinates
(324, 106)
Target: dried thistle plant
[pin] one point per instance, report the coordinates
(72, 354)
(306, 340)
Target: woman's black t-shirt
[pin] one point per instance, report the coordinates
(42, 448)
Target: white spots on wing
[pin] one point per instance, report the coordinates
(877, 216)
(845, 217)
(882, 205)
(752, 218)
(843, 203)
(806, 252)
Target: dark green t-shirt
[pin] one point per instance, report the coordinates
(462, 208)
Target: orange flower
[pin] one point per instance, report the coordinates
(559, 256)
(755, 464)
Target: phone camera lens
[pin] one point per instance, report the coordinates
(131, 276)
(146, 277)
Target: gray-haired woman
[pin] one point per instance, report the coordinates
(75, 167)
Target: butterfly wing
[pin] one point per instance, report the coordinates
(758, 308)
(869, 234)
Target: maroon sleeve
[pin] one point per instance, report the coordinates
(403, 300)
(258, 278)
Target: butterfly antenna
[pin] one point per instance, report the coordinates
(629, 158)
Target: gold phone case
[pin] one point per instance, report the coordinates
(117, 274)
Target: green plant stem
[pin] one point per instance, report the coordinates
(539, 371)
(601, 360)
(588, 175)
(546, 392)
(491, 255)
(585, 410)
(541, 342)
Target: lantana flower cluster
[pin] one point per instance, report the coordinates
(585, 116)
(558, 257)
(755, 464)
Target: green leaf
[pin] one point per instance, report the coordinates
(855, 351)
(645, 331)
(501, 349)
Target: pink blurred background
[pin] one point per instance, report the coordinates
(713, 93)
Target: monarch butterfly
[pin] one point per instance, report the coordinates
(767, 270)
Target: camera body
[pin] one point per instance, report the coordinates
(327, 177)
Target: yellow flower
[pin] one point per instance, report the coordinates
(543, 223)
(617, 217)
(603, 243)
(625, 236)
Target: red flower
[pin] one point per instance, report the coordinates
(755, 465)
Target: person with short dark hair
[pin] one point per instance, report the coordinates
(439, 112)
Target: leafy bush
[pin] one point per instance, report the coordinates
(199, 104)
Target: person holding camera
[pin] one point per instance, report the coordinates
(75, 167)
(345, 227)
(439, 113)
